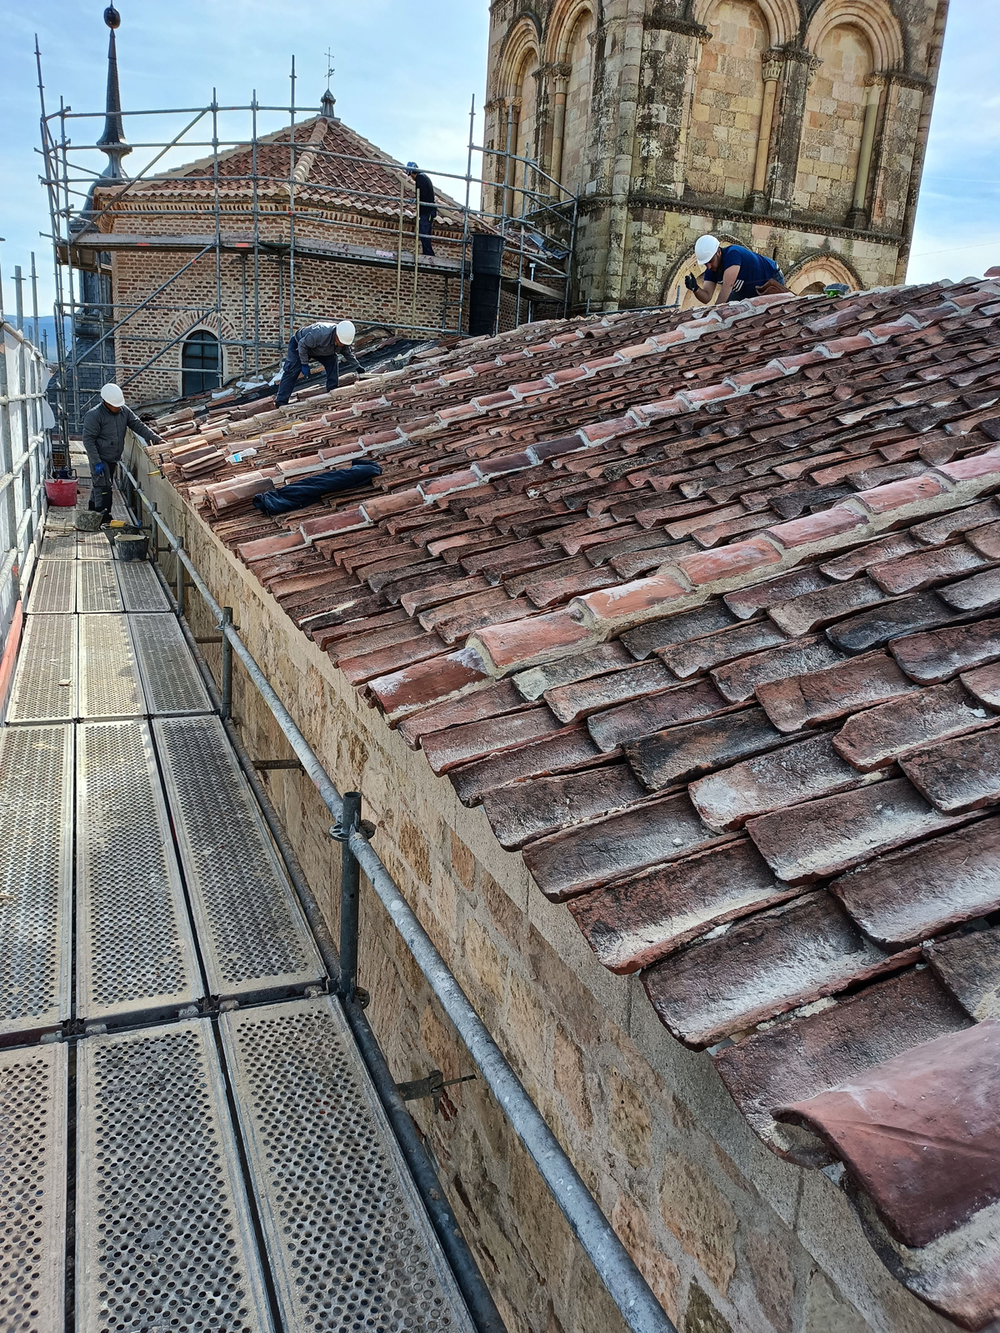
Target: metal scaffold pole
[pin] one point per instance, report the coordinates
(321, 208)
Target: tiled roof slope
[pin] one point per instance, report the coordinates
(329, 157)
(705, 611)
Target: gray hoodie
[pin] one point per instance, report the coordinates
(104, 433)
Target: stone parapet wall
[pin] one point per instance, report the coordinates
(730, 1238)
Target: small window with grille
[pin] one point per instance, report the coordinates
(201, 363)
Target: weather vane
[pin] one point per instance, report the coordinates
(329, 68)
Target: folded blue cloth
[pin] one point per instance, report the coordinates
(311, 489)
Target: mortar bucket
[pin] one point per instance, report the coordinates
(60, 491)
(131, 544)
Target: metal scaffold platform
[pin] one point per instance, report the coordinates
(191, 1138)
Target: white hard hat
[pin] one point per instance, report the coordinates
(113, 396)
(346, 333)
(705, 248)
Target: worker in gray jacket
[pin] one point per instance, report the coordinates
(325, 342)
(104, 430)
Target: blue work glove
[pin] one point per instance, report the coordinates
(98, 469)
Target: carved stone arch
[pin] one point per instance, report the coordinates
(783, 18)
(522, 41)
(822, 266)
(561, 25)
(874, 18)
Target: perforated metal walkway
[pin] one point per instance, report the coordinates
(189, 1138)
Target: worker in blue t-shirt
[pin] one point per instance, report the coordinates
(742, 272)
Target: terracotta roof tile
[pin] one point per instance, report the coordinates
(634, 923)
(969, 966)
(910, 895)
(920, 1131)
(750, 971)
(794, 1061)
(957, 775)
(825, 837)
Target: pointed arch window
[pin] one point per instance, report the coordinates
(201, 363)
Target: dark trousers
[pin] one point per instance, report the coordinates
(294, 367)
(426, 222)
(102, 488)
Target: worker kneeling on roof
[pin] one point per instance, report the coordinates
(325, 342)
(742, 272)
(104, 430)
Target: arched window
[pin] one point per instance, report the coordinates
(201, 363)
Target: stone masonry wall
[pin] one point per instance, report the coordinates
(731, 1239)
(674, 131)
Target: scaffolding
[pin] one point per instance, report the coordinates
(96, 325)
(24, 456)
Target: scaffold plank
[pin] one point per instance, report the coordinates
(36, 877)
(252, 934)
(164, 1236)
(92, 546)
(320, 1148)
(141, 589)
(57, 544)
(169, 675)
(53, 589)
(33, 1189)
(97, 587)
(45, 680)
(135, 952)
(109, 674)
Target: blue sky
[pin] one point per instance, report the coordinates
(405, 74)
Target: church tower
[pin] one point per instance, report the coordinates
(795, 127)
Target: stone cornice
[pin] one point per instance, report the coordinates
(640, 199)
(669, 23)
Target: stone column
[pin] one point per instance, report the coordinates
(560, 83)
(630, 32)
(772, 66)
(858, 215)
(800, 65)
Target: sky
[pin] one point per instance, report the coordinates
(405, 74)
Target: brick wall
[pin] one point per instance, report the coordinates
(731, 1239)
(256, 306)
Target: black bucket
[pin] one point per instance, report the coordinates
(131, 544)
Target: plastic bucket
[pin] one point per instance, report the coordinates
(131, 544)
(88, 520)
(60, 492)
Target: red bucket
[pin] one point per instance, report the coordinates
(61, 493)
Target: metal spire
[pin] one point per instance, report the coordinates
(328, 101)
(112, 141)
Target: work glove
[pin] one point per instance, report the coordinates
(691, 283)
(98, 469)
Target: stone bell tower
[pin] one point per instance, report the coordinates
(796, 127)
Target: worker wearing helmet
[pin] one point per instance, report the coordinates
(104, 430)
(325, 342)
(742, 272)
(427, 205)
